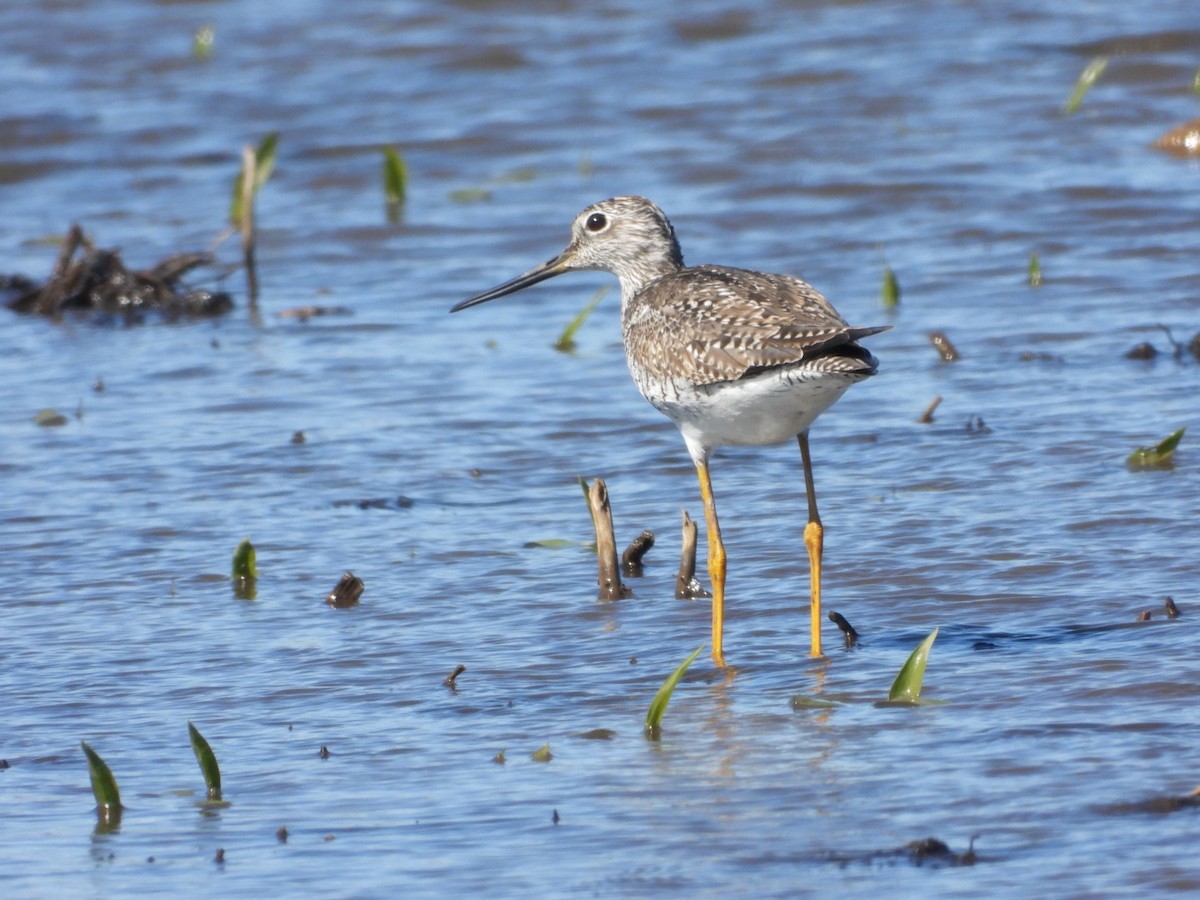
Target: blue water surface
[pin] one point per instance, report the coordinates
(440, 454)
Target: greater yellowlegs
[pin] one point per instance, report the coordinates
(731, 356)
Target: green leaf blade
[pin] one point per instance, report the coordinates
(208, 762)
(566, 340)
(104, 783)
(1035, 270)
(264, 158)
(264, 164)
(1159, 456)
(890, 291)
(907, 686)
(1087, 78)
(658, 706)
(395, 176)
(244, 562)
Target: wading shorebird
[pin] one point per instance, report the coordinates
(731, 356)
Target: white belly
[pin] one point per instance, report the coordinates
(771, 408)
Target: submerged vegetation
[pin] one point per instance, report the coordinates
(244, 571)
(207, 761)
(658, 706)
(907, 686)
(889, 292)
(245, 566)
(104, 787)
(1034, 275)
(1087, 79)
(257, 165)
(395, 182)
(1160, 456)
(566, 340)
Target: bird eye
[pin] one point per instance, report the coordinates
(597, 222)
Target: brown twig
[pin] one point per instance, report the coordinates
(847, 629)
(686, 585)
(631, 559)
(609, 577)
(943, 346)
(927, 416)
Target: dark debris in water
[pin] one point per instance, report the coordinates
(926, 852)
(451, 680)
(92, 280)
(1153, 805)
(846, 628)
(598, 734)
(631, 559)
(1040, 356)
(1144, 350)
(976, 425)
(346, 592)
(400, 502)
(1169, 607)
(304, 313)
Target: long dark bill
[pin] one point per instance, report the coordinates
(548, 269)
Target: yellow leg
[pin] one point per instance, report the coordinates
(716, 564)
(814, 541)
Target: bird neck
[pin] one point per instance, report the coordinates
(647, 265)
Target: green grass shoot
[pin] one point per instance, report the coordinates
(1088, 77)
(264, 163)
(658, 706)
(208, 762)
(566, 340)
(890, 292)
(395, 177)
(1158, 456)
(244, 559)
(104, 785)
(907, 686)
(202, 42)
(1035, 270)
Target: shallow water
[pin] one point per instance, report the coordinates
(818, 139)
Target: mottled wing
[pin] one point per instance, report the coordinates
(710, 324)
